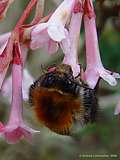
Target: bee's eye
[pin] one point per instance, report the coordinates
(48, 80)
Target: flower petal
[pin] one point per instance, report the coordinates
(38, 29)
(39, 40)
(4, 38)
(107, 77)
(5, 59)
(56, 33)
(14, 136)
(3, 74)
(51, 47)
(91, 76)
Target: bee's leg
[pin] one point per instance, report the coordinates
(43, 69)
(80, 76)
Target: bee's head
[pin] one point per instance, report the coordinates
(61, 70)
(64, 69)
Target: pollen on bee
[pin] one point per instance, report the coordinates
(55, 109)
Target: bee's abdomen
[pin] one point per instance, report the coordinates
(55, 109)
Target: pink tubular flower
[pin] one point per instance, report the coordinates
(15, 128)
(70, 44)
(11, 52)
(6, 51)
(48, 34)
(94, 68)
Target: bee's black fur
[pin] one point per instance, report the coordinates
(91, 105)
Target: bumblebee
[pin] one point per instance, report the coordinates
(62, 101)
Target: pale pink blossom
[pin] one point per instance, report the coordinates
(70, 44)
(11, 53)
(16, 128)
(117, 109)
(48, 34)
(95, 69)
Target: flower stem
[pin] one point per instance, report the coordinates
(38, 11)
(26, 13)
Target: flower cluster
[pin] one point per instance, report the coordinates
(59, 29)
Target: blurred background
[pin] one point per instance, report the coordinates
(99, 138)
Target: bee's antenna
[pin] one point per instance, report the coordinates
(80, 75)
